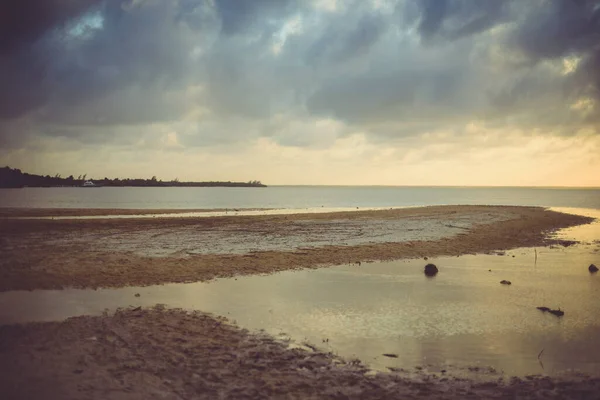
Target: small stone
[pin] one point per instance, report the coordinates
(390, 355)
(431, 270)
(137, 295)
(505, 282)
(592, 268)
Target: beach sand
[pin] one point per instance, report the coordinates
(163, 353)
(170, 354)
(54, 254)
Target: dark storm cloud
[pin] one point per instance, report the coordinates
(237, 17)
(24, 58)
(372, 98)
(136, 49)
(22, 22)
(565, 28)
(452, 19)
(350, 34)
(84, 67)
(560, 27)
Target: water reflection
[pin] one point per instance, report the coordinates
(588, 233)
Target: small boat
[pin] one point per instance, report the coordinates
(88, 184)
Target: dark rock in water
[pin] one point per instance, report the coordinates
(592, 268)
(504, 282)
(431, 270)
(558, 312)
(544, 309)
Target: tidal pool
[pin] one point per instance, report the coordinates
(462, 319)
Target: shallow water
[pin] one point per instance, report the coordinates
(461, 318)
(294, 197)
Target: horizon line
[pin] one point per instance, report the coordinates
(445, 186)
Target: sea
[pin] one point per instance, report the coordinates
(294, 197)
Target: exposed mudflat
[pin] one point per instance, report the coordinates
(159, 353)
(170, 354)
(47, 254)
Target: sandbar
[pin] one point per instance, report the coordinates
(54, 254)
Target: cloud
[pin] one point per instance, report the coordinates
(240, 17)
(565, 29)
(226, 74)
(23, 22)
(442, 20)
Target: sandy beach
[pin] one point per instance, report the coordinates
(145, 353)
(53, 254)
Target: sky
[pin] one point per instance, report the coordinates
(321, 92)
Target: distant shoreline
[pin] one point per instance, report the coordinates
(100, 185)
(12, 178)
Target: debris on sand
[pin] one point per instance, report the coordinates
(558, 312)
(505, 282)
(390, 355)
(593, 269)
(137, 295)
(431, 270)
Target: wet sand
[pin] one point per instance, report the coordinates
(170, 354)
(54, 254)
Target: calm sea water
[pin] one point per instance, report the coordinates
(293, 197)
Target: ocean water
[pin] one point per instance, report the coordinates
(295, 197)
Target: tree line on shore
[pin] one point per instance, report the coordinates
(15, 178)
